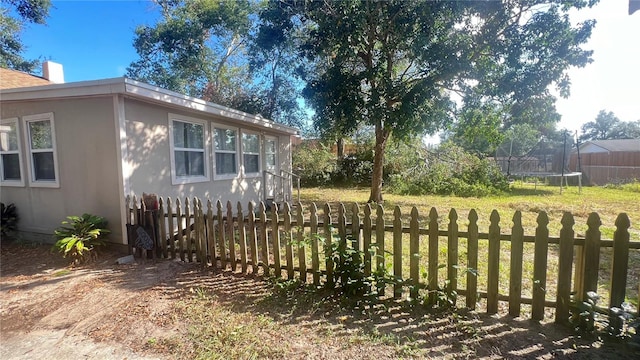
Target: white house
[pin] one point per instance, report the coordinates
(81, 147)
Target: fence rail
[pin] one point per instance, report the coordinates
(289, 243)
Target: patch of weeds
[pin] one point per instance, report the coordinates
(215, 331)
(587, 320)
(62, 272)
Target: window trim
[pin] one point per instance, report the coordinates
(26, 120)
(11, 182)
(180, 180)
(259, 153)
(235, 175)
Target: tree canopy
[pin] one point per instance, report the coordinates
(206, 48)
(607, 126)
(11, 46)
(398, 65)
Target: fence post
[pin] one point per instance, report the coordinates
(540, 267)
(253, 241)
(313, 233)
(619, 267)
(565, 262)
(242, 239)
(452, 253)
(472, 260)
(397, 252)
(414, 252)
(515, 278)
(494, 263)
(302, 255)
(432, 270)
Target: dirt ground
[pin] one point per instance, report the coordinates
(107, 311)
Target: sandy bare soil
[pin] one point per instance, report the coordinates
(107, 311)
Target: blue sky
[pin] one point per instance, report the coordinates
(94, 40)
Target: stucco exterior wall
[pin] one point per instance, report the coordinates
(147, 162)
(87, 163)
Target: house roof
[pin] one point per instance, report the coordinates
(142, 91)
(632, 145)
(11, 79)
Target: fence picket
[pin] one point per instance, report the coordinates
(253, 240)
(565, 262)
(231, 238)
(366, 239)
(327, 243)
(380, 243)
(397, 252)
(211, 235)
(186, 239)
(515, 276)
(472, 260)
(591, 263)
(196, 229)
(264, 242)
(493, 266)
(432, 270)
(287, 240)
(172, 234)
(355, 227)
(221, 241)
(179, 228)
(275, 236)
(302, 255)
(452, 252)
(242, 239)
(313, 233)
(541, 248)
(163, 229)
(414, 252)
(619, 261)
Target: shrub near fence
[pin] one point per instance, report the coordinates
(290, 244)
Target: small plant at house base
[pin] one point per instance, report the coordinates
(80, 236)
(9, 219)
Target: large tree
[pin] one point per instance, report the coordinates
(607, 126)
(11, 46)
(395, 64)
(205, 48)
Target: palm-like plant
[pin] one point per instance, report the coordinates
(80, 236)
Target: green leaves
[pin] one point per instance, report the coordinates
(80, 236)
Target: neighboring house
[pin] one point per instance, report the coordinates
(608, 161)
(84, 146)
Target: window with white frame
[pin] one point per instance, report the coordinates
(270, 153)
(189, 150)
(41, 145)
(10, 158)
(251, 153)
(226, 148)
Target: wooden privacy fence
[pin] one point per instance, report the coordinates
(290, 243)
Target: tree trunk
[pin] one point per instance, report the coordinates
(340, 148)
(378, 165)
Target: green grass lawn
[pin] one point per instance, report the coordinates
(527, 198)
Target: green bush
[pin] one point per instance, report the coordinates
(80, 237)
(314, 163)
(450, 171)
